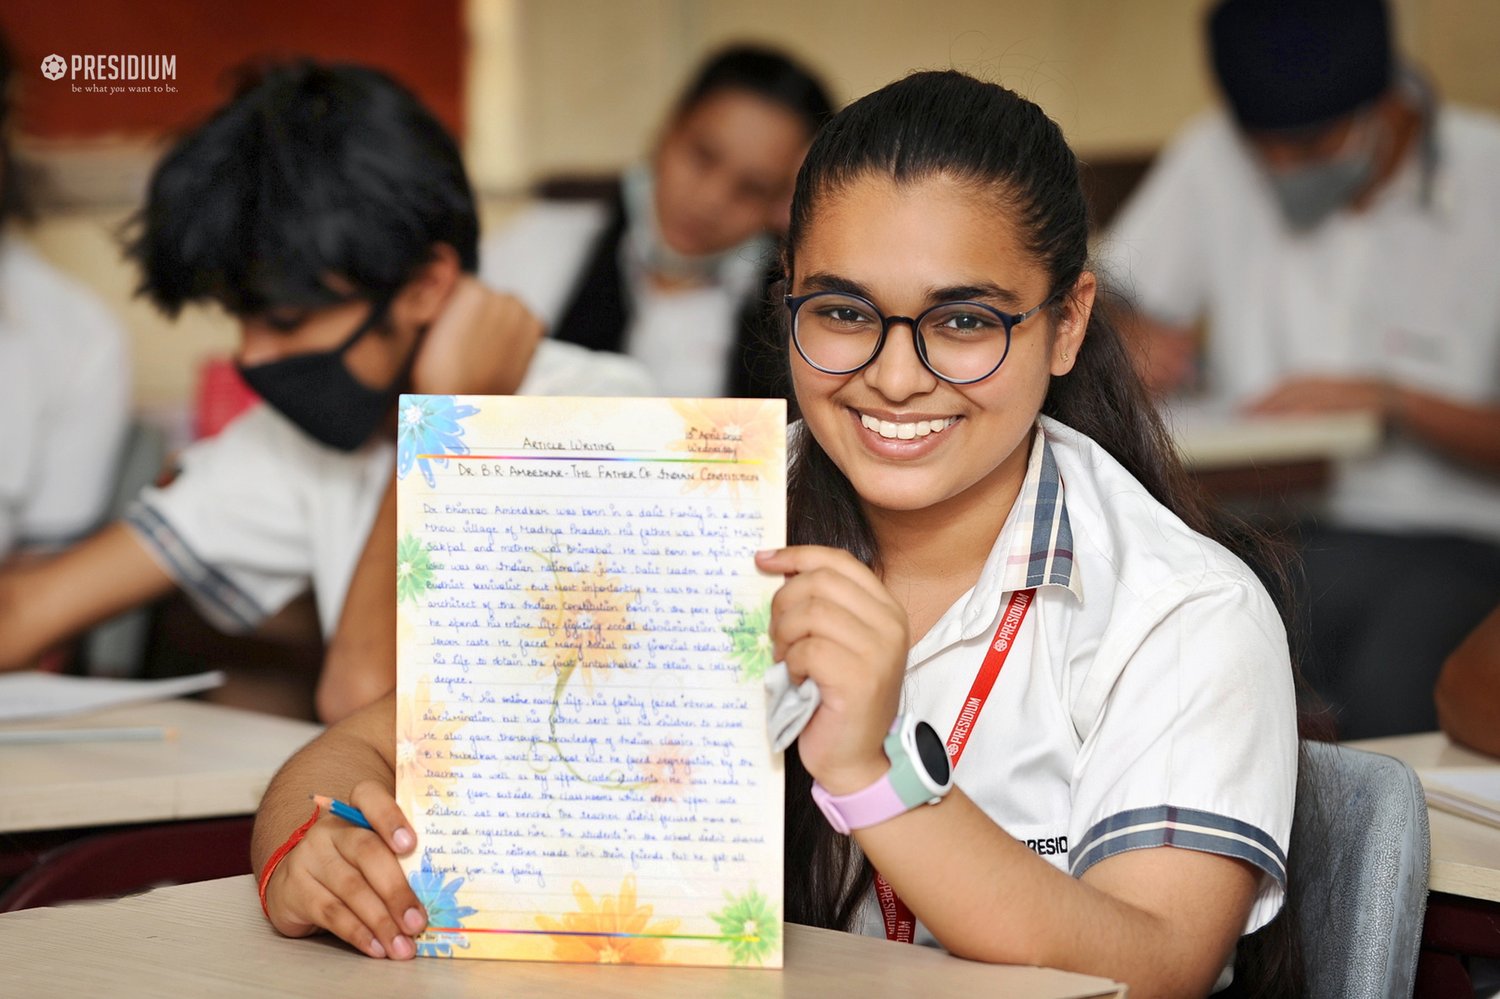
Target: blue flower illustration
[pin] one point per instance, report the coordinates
(429, 426)
(443, 911)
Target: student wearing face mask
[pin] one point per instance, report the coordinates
(1335, 232)
(673, 269)
(329, 213)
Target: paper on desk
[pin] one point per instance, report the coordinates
(581, 720)
(34, 695)
(1473, 792)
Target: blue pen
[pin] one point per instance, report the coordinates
(346, 812)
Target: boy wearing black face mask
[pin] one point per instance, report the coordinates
(329, 212)
(1336, 233)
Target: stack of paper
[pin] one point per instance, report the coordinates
(28, 696)
(1473, 792)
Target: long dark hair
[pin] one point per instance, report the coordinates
(980, 134)
(13, 201)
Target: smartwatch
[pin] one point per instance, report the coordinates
(920, 774)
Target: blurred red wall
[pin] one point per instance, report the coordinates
(420, 42)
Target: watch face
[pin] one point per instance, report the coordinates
(932, 753)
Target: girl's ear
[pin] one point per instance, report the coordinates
(1073, 323)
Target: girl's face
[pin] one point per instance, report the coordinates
(906, 248)
(724, 171)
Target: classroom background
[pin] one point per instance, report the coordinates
(541, 89)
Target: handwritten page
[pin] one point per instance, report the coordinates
(581, 723)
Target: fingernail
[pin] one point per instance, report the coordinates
(413, 919)
(403, 839)
(766, 552)
(374, 949)
(401, 948)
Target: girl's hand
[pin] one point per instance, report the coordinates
(834, 621)
(347, 880)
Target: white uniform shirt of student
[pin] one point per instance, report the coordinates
(262, 511)
(65, 379)
(684, 338)
(1147, 700)
(1404, 290)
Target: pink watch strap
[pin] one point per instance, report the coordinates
(868, 807)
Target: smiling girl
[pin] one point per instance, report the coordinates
(991, 539)
(993, 548)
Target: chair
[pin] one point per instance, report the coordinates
(1359, 870)
(116, 647)
(128, 859)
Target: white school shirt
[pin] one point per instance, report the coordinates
(684, 338)
(65, 379)
(262, 511)
(1405, 290)
(1147, 698)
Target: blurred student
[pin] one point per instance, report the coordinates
(673, 269)
(1336, 232)
(1468, 690)
(65, 379)
(328, 211)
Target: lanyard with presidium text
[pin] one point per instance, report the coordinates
(900, 923)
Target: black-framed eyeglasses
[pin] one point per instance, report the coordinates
(960, 342)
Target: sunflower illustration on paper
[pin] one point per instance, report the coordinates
(748, 431)
(667, 771)
(750, 926)
(445, 916)
(616, 929)
(750, 640)
(584, 623)
(423, 740)
(413, 569)
(429, 426)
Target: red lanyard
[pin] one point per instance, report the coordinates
(900, 923)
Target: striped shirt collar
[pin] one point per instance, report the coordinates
(1034, 549)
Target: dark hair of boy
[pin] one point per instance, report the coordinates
(13, 201)
(317, 184)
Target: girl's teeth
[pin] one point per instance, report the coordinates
(904, 431)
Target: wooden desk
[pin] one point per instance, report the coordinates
(1210, 440)
(1465, 853)
(209, 939)
(219, 764)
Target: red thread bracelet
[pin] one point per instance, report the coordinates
(280, 855)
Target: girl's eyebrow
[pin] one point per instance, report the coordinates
(986, 291)
(975, 292)
(824, 281)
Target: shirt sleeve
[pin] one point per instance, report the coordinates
(1155, 251)
(84, 411)
(1195, 743)
(539, 255)
(560, 368)
(232, 528)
